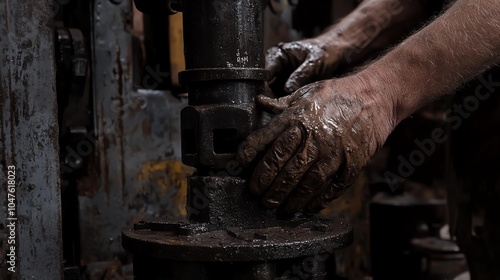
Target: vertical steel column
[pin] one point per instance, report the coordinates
(225, 71)
(29, 138)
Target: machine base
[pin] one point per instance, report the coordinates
(300, 248)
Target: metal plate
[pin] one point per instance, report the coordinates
(240, 245)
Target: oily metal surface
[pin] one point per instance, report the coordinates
(309, 238)
(224, 53)
(224, 202)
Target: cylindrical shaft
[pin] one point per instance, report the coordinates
(224, 72)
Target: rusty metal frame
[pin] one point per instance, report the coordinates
(29, 137)
(138, 151)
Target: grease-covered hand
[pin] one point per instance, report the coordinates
(310, 60)
(327, 132)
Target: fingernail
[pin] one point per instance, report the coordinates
(291, 87)
(270, 203)
(262, 98)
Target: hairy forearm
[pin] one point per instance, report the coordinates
(375, 24)
(454, 48)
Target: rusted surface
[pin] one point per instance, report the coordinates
(154, 176)
(167, 177)
(28, 137)
(113, 271)
(89, 186)
(138, 147)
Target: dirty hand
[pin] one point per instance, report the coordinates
(327, 132)
(309, 60)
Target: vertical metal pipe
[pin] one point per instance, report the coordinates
(224, 52)
(224, 34)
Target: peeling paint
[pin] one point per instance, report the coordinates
(138, 133)
(168, 176)
(29, 137)
(146, 127)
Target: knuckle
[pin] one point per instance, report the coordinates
(273, 51)
(280, 192)
(290, 176)
(295, 134)
(321, 175)
(300, 161)
(266, 175)
(270, 163)
(309, 186)
(277, 153)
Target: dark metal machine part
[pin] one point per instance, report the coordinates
(228, 234)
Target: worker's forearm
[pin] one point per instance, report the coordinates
(374, 23)
(457, 46)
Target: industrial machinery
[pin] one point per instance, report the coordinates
(227, 234)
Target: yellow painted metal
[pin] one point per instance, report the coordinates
(176, 38)
(166, 175)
